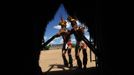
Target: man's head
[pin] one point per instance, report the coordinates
(70, 18)
(62, 22)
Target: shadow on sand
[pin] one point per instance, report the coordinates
(72, 71)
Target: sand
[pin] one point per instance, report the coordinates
(51, 60)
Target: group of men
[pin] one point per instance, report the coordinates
(80, 45)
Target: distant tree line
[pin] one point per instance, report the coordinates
(48, 46)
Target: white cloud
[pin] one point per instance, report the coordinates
(61, 41)
(52, 42)
(45, 38)
(57, 40)
(78, 23)
(73, 40)
(87, 36)
(68, 24)
(57, 27)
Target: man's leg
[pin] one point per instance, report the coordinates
(70, 57)
(79, 63)
(84, 58)
(63, 55)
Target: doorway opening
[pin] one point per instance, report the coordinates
(51, 55)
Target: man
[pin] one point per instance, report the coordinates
(83, 46)
(77, 31)
(65, 35)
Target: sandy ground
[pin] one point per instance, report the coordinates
(51, 60)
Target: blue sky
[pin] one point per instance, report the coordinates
(53, 27)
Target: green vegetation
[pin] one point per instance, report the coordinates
(47, 47)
